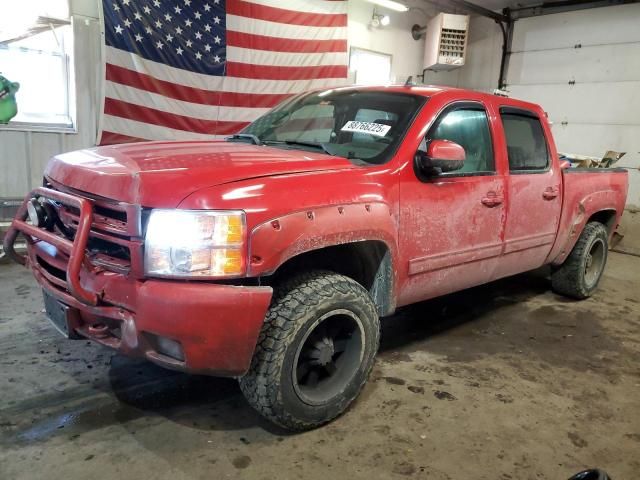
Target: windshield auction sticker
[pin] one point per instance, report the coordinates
(376, 129)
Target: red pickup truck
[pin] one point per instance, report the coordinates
(270, 256)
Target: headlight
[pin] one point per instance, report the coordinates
(195, 243)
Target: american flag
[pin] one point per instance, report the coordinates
(194, 69)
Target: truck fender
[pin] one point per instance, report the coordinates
(570, 228)
(280, 239)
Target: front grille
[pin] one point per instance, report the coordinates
(97, 246)
(50, 269)
(115, 240)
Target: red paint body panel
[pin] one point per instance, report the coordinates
(276, 241)
(443, 234)
(445, 150)
(585, 194)
(139, 173)
(217, 326)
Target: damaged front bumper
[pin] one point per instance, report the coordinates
(196, 327)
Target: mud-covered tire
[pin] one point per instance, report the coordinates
(580, 273)
(299, 309)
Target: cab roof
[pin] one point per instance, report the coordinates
(441, 90)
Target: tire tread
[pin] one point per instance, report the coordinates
(568, 279)
(291, 300)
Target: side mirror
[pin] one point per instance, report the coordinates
(441, 156)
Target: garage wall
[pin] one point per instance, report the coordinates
(597, 113)
(23, 155)
(591, 92)
(482, 65)
(395, 39)
(584, 68)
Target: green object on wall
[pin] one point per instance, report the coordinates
(8, 105)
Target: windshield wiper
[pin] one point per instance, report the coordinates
(319, 146)
(245, 136)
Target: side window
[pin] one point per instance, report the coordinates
(526, 144)
(469, 128)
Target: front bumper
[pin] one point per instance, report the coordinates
(216, 326)
(213, 327)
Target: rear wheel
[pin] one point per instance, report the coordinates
(315, 351)
(579, 275)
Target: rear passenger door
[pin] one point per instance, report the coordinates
(533, 189)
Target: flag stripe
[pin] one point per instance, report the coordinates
(148, 131)
(280, 15)
(276, 44)
(256, 26)
(111, 138)
(315, 6)
(274, 72)
(190, 94)
(284, 59)
(170, 105)
(120, 58)
(154, 116)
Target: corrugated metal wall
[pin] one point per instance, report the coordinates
(24, 154)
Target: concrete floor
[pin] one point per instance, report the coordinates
(506, 381)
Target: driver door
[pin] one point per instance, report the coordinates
(452, 224)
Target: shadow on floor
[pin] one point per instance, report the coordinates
(217, 404)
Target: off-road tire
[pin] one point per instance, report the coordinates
(297, 304)
(570, 278)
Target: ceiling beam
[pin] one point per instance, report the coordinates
(473, 8)
(561, 6)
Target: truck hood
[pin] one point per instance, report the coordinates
(161, 174)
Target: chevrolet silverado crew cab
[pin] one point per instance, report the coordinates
(271, 255)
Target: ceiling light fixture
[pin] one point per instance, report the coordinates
(390, 4)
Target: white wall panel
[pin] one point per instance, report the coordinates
(41, 149)
(601, 63)
(395, 39)
(592, 103)
(618, 24)
(14, 174)
(591, 93)
(596, 139)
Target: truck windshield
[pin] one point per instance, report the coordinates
(362, 125)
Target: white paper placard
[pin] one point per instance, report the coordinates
(375, 129)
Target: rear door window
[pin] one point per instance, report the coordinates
(526, 144)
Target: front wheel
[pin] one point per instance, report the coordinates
(580, 273)
(315, 351)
